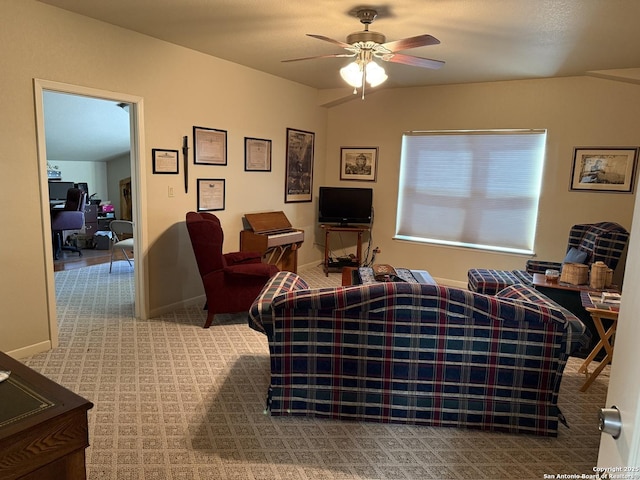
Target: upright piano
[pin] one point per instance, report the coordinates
(271, 234)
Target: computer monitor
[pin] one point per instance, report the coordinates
(58, 190)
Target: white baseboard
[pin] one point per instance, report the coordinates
(30, 350)
(314, 264)
(172, 307)
(450, 283)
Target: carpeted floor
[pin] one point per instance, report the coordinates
(175, 401)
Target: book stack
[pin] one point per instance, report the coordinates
(611, 298)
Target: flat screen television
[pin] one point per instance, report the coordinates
(58, 190)
(344, 205)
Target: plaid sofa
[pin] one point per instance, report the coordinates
(414, 353)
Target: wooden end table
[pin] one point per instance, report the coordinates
(347, 276)
(420, 276)
(598, 312)
(43, 427)
(568, 296)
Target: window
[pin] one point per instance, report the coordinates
(476, 189)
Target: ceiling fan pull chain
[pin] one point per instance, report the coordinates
(364, 79)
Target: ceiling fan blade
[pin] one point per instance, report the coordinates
(335, 55)
(415, 61)
(330, 40)
(412, 42)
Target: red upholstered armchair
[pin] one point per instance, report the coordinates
(231, 281)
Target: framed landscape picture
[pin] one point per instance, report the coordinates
(609, 169)
(358, 163)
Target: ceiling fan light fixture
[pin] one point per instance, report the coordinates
(375, 74)
(366, 46)
(352, 74)
(357, 72)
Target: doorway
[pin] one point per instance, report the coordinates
(133, 174)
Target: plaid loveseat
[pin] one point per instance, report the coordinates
(415, 353)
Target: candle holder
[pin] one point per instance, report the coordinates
(551, 275)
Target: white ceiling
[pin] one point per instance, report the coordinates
(481, 40)
(81, 128)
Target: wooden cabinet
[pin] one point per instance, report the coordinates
(43, 427)
(104, 219)
(90, 220)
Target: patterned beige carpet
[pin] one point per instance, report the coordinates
(176, 401)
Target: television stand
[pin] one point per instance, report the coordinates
(340, 263)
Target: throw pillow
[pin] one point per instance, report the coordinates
(575, 256)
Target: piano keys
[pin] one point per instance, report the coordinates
(271, 234)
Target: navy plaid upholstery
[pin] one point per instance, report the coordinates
(490, 282)
(578, 333)
(413, 353)
(523, 277)
(603, 242)
(261, 307)
(541, 266)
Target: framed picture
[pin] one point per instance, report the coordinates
(209, 146)
(210, 194)
(299, 168)
(257, 155)
(165, 161)
(358, 163)
(604, 169)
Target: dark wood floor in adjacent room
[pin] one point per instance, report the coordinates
(71, 260)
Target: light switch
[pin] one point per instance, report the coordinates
(171, 191)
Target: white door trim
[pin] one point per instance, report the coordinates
(138, 185)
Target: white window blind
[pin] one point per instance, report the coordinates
(475, 189)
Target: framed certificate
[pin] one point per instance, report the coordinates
(211, 194)
(209, 146)
(165, 161)
(257, 155)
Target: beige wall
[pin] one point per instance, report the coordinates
(181, 88)
(576, 111)
(117, 169)
(94, 173)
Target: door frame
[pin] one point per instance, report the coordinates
(623, 391)
(138, 186)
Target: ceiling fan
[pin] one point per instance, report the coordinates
(365, 46)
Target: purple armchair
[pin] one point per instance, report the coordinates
(231, 281)
(71, 217)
